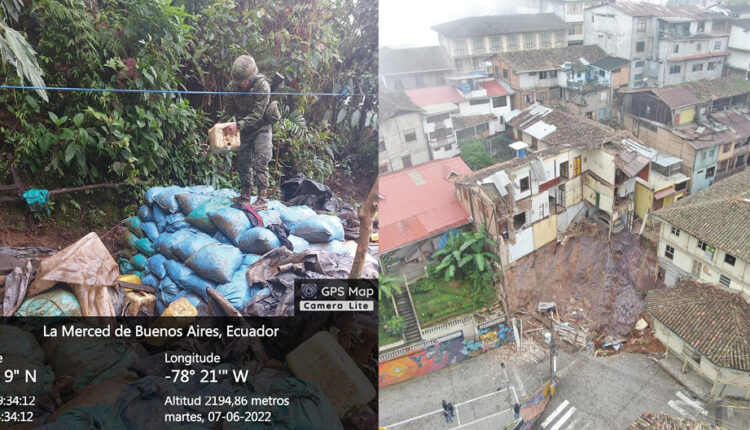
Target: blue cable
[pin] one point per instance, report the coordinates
(344, 93)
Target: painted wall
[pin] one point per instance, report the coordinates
(545, 231)
(739, 40)
(643, 198)
(524, 245)
(573, 192)
(392, 132)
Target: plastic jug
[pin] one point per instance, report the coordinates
(221, 143)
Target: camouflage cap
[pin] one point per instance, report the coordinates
(243, 68)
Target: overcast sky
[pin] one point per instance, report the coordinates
(408, 22)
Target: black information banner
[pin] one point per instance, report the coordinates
(315, 370)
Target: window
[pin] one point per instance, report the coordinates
(640, 63)
(675, 70)
(383, 168)
(479, 45)
(448, 147)
(513, 42)
(437, 118)
(529, 40)
(697, 67)
(546, 40)
(723, 165)
(641, 25)
(701, 26)
(703, 155)
(717, 45)
(381, 145)
(459, 47)
(725, 280)
(406, 161)
(497, 44)
(697, 268)
(478, 102)
(640, 46)
(710, 172)
(553, 73)
(729, 259)
(499, 102)
(542, 75)
(572, 30)
(676, 49)
(505, 73)
(410, 136)
(718, 25)
(542, 97)
(681, 186)
(638, 77)
(675, 231)
(698, 47)
(575, 8)
(740, 160)
(524, 182)
(528, 98)
(711, 65)
(712, 152)
(577, 166)
(669, 252)
(709, 250)
(564, 169)
(727, 147)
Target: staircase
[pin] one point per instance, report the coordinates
(405, 310)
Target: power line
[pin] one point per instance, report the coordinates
(343, 93)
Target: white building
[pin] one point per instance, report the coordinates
(666, 45)
(401, 142)
(739, 46)
(408, 68)
(570, 11)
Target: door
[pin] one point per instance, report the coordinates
(577, 166)
(697, 268)
(561, 196)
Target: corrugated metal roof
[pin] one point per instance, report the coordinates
(501, 24)
(410, 212)
(434, 95)
(494, 89)
(675, 97)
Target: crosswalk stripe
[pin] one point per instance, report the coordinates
(564, 418)
(573, 424)
(554, 414)
(694, 403)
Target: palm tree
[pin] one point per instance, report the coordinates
(465, 254)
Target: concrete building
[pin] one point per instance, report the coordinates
(401, 142)
(706, 236)
(580, 79)
(408, 68)
(704, 123)
(569, 169)
(451, 114)
(739, 47)
(472, 41)
(666, 45)
(570, 11)
(661, 184)
(706, 327)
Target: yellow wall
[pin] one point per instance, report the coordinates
(573, 192)
(643, 199)
(687, 115)
(545, 231)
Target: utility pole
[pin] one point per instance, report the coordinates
(507, 384)
(552, 355)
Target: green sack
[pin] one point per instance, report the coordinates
(56, 302)
(134, 224)
(199, 218)
(143, 245)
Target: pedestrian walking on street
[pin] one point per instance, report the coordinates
(517, 410)
(447, 412)
(451, 409)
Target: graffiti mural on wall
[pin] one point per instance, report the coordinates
(421, 359)
(442, 352)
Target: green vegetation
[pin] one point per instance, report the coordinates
(474, 154)
(386, 316)
(465, 257)
(76, 138)
(436, 300)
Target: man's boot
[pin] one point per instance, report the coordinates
(261, 203)
(245, 195)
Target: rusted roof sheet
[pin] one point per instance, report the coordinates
(500, 24)
(712, 320)
(677, 96)
(466, 121)
(552, 58)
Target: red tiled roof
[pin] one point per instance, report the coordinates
(695, 57)
(410, 212)
(494, 89)
(434, 95)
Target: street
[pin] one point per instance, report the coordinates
(593, 393)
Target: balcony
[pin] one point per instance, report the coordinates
(438, 143)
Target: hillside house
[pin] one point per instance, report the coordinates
(409, 68)
(401, 142)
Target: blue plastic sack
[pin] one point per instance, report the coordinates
(167, 292)
(134, 224)
(201, 189)
(197, 285)
(38, 200)
(230, 221)
(176, 222)
(168, 241)
(128, 239)
(156, 265)
(237, 292)
(125, 266)
(270, 217)
(216, 262)
(143, 245)
(334, 246)
(250, 259)
(57, 302)
(151, 193)
(226, 192)
(258, 240)
(178, 272)
(222, 238)
(145, 213)
(199, 218)
(190, 201)
(160, 218)
(293, 215)
(150, 280)
(298, 243)
(151, 230)
(320, 228)
(139, 273)
(166, 199)
(139, 261)
(188, 246)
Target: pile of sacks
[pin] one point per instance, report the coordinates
(186, 239)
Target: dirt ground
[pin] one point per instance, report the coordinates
(603, 281)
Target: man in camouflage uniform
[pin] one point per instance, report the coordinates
(255, 133)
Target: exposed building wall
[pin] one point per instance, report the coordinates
(410, 81)
(609, 29)
(643, 198)
(545, 231)
(739, 48)
(393, 133)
